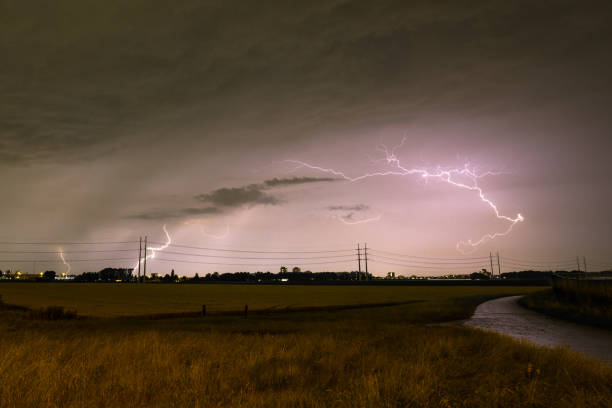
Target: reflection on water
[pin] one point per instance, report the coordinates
(505, 316)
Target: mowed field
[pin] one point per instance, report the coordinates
(111, 300)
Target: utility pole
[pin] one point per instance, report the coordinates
(498, 265)
(359, 260)
(578, 263)
(145, 258)
(584, 263)
(139, 252)
(365, 249)
(491, 259)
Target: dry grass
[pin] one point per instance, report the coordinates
(594, 293)
(397, 365)
(378, 357)
(582, 301)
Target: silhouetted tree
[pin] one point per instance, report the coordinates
(49, 275)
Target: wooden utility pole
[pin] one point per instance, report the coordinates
(491, 259)
(578, 263)
(584, 263)
(145, 258)
(365, 251)
(498, 265)
(359, 260)
(139, 256)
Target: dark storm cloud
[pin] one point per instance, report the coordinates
(356, 207)
(230, 198)
(238, 196)
(276, 182)
(164, 214)
(77, 81)
(255, 193)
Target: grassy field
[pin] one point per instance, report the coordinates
(582, 301)
(373, 357)
(108, 300)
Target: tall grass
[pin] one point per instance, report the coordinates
(582, 301)
(374, 357)
(594, 293)
(343, 365)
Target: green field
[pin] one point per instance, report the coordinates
(109, 300)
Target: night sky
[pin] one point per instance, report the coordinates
(119, 117)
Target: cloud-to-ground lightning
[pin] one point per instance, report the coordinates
(464, 177)
(155, 250)
(68, 267)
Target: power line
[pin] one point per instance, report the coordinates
(253, 251)
(67, 252)
(544, 262)
(420, 266)
(544, 265)
(69, 243)
(428, 258)
(468, 263)
(245, 264)
(274, 258)
(167, 252)
(71, 260)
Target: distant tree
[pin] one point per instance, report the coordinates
(283, 269)
(479, 275)
(296, 269)
(87, 277)
(49, 275)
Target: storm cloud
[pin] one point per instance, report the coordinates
(237, 196)
(115, 116)
(355, 207)
(278, 182)
(165, 214)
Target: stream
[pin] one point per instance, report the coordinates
(506, 316)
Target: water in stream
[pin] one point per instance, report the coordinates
(505, 316)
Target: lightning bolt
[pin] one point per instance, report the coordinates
(155, 250)
(463, 178)
(61, 255)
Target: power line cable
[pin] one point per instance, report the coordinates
(69, 252)
(429, 258)
(243, 264)
(253, 251)
(467, 263)
(60, 261)
(69, 243)
(263, 258)
(421, 266)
